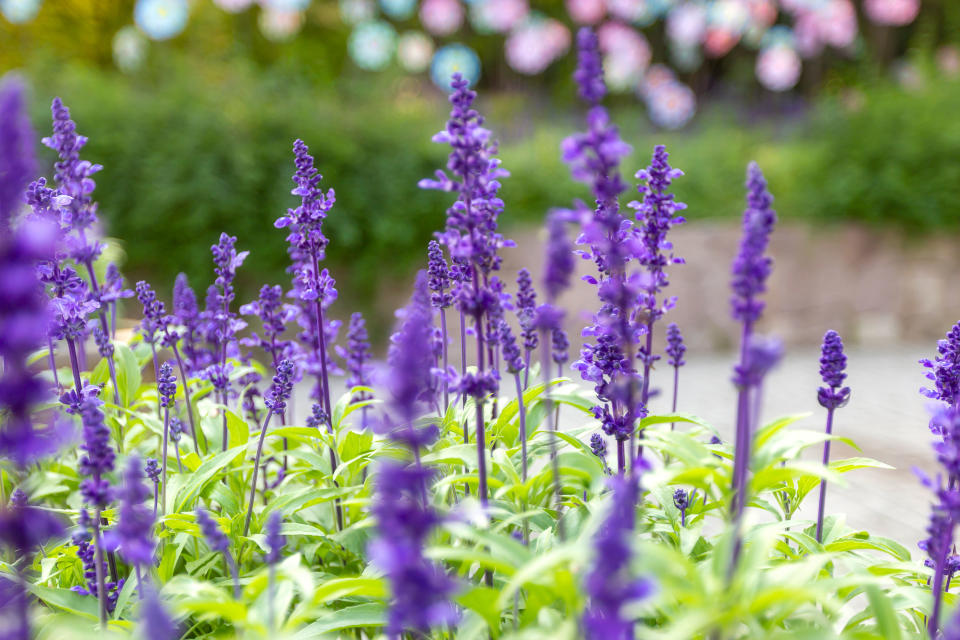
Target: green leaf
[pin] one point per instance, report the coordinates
(483, 600)
(339, 588)
(67, 600)
(238, 431)
(884, 614)
(203, 475)
(371, 614)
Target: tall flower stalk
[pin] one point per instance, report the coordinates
(313, 288)
(420, 590)
(610, 584)
(218, 543)
(832, 396)
(167, 387)
(441, 299)
(751, 268)
(276, 402)
(594, 158)
(656, 214)
(24, 321)
(225, 324)
(472, 239)
(95, 464)
(675, 350)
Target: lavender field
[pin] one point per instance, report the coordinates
(609, 424)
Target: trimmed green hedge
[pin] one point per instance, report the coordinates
(189, 151)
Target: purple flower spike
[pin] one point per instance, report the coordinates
(357, 356)
(833, 396)
(439, 274)
(98, 459)
(832, 365)
(17, 159)
(166, 385)
(560, 261)
(214, 535)
(589, 73)
(281, 388)
(155, 620)
(609, 584)
(752, 266)
(675, 347)
(420, 590)
(134, 532)
(944, 370)
(275, 539)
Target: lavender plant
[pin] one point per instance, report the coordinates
(409, 529)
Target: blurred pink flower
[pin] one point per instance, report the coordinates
(719, 42)
(626, 54)
(586, 11)
(500, 15)
(894, 13)
(534, 45)
(441, 17)
(687, 24)
(948, 60)
(778, 68)
(671, 105)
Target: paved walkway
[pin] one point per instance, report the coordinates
(886, 417)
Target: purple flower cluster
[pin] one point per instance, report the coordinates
(166, 385)
(752, 266)
(832, 364)
(134, 532)
(274, 316)
(98, 458)
(357, 357)
(420, 590)
(17, 160)
(944, 369)
(610, 584)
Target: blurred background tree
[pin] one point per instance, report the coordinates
(192, 108)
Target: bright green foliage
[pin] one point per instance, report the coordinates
(786, 584)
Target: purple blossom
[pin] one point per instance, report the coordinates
(752, 266)
(560, 262)
(24, 527)
(24, 319)
(675, 347)
(598, 446)
(74, 179)
(87, 554)
(589, 73)
(153, 470)
(944, 369)
(357, 356)
(832, 365)
(760, 356)
(594, 156)
(281, 388)
(166, 385)
(512, 357)
(656, 214)
(318, 417)
(420, 590)
(154, 313)
(112, 289)
(439, 273)
(212, 533)
(98, 459)
(274, 539)
(17, 160)
(305, 222)
(188, 315)
(527, 311)
(155, 620)
(274, 316)
(610, 584)
(134, 532)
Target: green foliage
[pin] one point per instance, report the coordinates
(786, 584)
(191, 149)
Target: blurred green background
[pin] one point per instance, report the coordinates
(199, 140)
